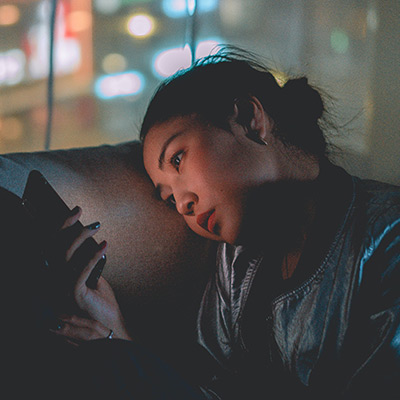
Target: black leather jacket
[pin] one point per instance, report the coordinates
(332, 331)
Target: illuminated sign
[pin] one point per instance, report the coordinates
(67, 49)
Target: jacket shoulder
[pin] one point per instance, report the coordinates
(379, 218)
(380, 203)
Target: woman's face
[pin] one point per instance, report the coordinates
(207, 173)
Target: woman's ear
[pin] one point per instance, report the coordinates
(251, 115)
(243, 112)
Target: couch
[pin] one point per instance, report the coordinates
(156, 266)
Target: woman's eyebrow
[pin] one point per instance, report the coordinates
(161, 159)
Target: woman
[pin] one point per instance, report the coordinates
(305, 295)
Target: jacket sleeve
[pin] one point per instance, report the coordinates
(373, 369)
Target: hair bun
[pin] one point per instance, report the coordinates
(302, 101)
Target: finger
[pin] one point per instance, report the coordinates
(76, 213)
(86, 232)
(57, 327)
(75, 320)
(72, 342)
(61, 241)
(76, 328)
(90, 265)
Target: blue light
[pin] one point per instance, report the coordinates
(128, 83)
(191, 6)
(183, 8)
(207, 5)
(175, 8)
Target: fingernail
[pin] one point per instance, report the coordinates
(103, 245)
(57, 325)
(93, 226)
(75, 210)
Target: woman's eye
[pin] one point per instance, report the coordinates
(176, 160)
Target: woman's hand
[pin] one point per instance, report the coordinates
(77, 329)
(102, 312)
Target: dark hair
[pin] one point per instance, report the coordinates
(211, 87)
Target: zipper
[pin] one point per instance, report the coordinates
(269, 336)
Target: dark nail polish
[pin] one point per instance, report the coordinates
(93, 226)
(75, 210)
(57, 325)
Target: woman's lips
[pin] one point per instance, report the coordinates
(207, 220)
(211, 222)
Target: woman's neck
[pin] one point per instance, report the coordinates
(292, 251)
(293, 164)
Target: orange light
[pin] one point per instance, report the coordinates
(9, 15)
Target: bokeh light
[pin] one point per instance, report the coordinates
(141, 25)
(114, 62)
(127, 83)
(11, 129)
(107, 6)
(207, 47)
(12, 67)
(372, 19)
(191, 6)
(170, 61)
(182, 8)
(9, 14)
(339, 41)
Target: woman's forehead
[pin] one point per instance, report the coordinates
(159, 136)
(161, 131)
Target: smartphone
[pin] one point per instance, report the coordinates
(44, 204)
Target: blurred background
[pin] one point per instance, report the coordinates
(110, 55)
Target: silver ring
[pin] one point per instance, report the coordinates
(110, 335)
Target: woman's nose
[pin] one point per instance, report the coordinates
(186, 202)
